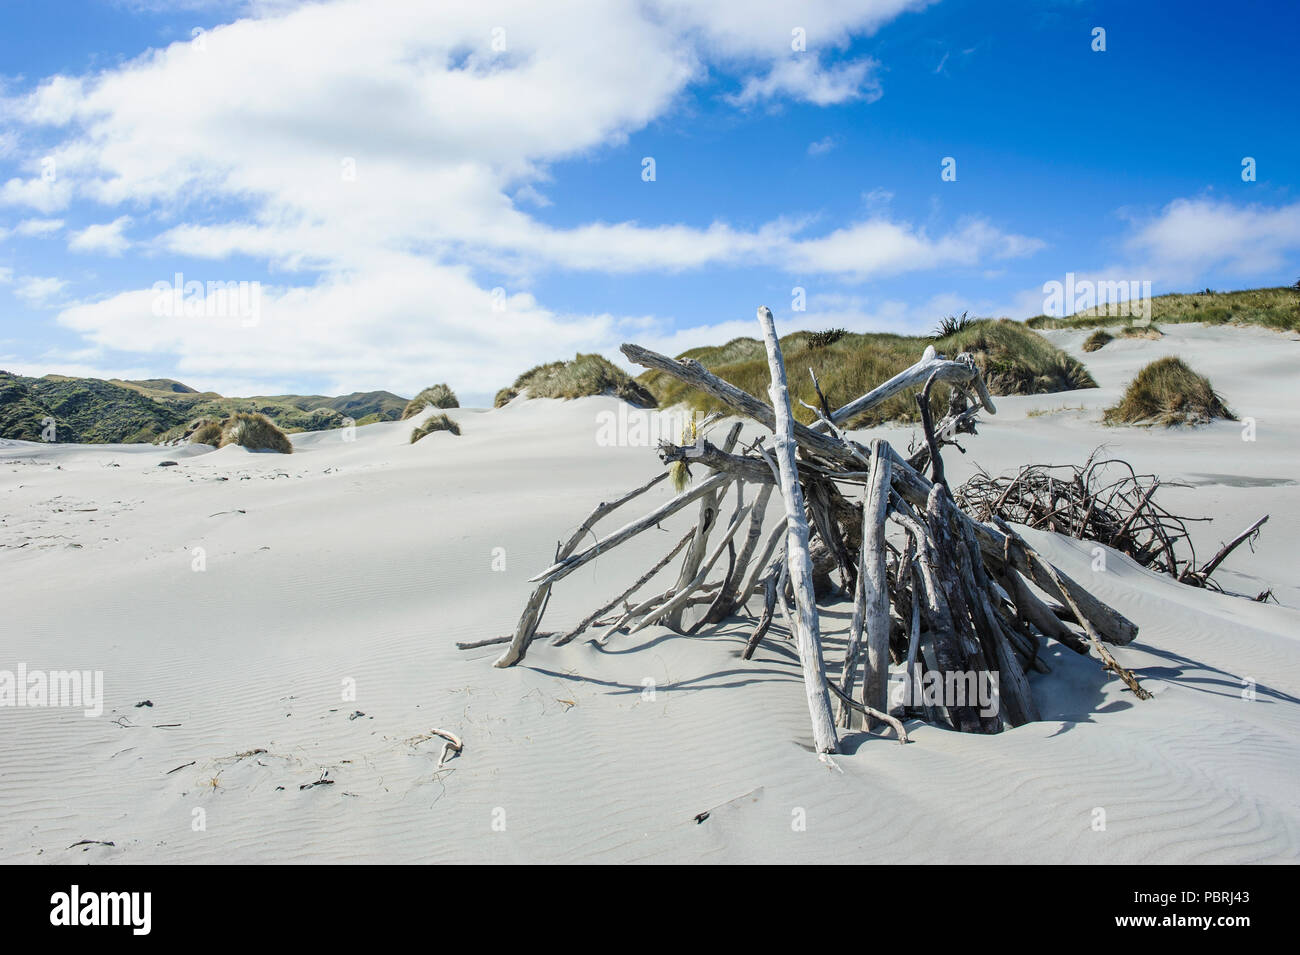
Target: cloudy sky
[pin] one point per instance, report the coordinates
(429, 191)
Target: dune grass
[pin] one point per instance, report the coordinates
(436, 396)
(438, 422)
(953, 324)
(1148, 332)
(254, 431)
(206, 431)
(1013, 359)
(1275, 308)
(584, 375)
(1097, 340)
(1168, 392)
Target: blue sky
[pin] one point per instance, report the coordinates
(498, 216)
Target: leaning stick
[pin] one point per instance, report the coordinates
(728, 597)
(709, 507)
(679, 599)
(591, 618)
(765, 619)
(1111, 663)
(562, 568)
(775, 536)
(871, 713)
(799, 561)
(871, 603)
(1228, 548)
(960, 372)
(875, 688)
(536, 606)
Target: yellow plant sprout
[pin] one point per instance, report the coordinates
(677, 472)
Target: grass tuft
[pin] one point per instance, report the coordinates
(1148, 332)
(952, 324)
(1167, 392)
(254, 431)
(438, 422)
(584, 375)
(828, 337)
(1097, 340)
(206, 431)
(435, 396)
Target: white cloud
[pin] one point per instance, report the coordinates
(448, 140)
(36, 193)
(6, 275)
(1192, 237)
(104, 237)
(804, 78)
(37, 290)
(821, 146)
(38, 228)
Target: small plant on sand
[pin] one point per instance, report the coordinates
(504, 397)
(254, 431)
(1097, 340)
(1167, 392)
(435, 396)
(677, 472)
(1149, 332)
(438, 422)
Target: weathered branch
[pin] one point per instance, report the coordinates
(807, 631)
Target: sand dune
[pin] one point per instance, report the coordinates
(367, 560)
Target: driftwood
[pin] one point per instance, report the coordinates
(1104, 500)
(942, 586)
(798, 560)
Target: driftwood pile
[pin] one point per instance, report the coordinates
(1103, 500)
(947, 596)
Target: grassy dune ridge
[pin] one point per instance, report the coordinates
(1276, 308)
(1013, 359)
(583, 375)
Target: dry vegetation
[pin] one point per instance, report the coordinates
(1167, 392)
(254, 431)
(584, 375)
(1275, 308)
(1012, 359)
(438, 422)
(1097, 340)
(435, 396)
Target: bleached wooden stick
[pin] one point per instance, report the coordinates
(679, 599)
(875, 590)
(799, 560)
(961, 371)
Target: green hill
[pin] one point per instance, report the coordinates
(1276, 308)
(92, 411)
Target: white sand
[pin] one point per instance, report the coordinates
(368, 560)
